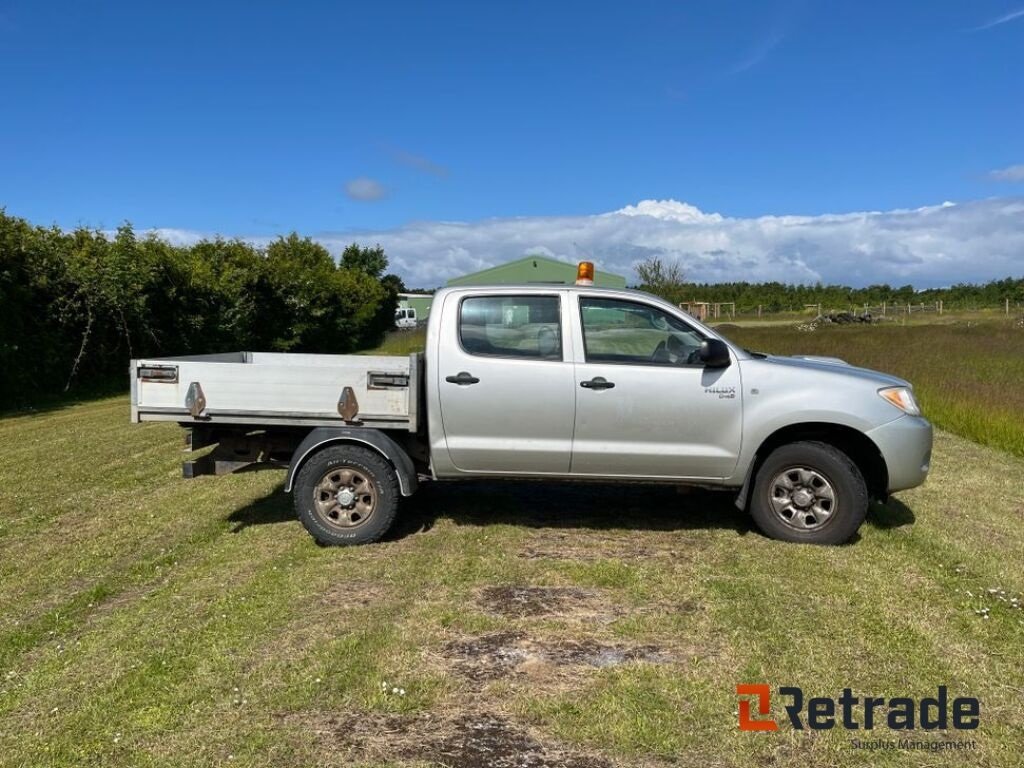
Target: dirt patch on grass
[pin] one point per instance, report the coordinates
(506, 654)
(519, 602)
(595, 551)
(593, 654)
(349, 595)
(483, 740)
(487, 657)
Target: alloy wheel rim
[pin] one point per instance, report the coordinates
(345, 498)
(803, 498)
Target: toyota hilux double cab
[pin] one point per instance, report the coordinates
(566, 382)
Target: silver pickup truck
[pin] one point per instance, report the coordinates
(563, 382)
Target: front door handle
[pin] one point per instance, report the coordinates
(598, 382)
(462, 379)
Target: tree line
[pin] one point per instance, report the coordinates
(666, 279)
(76, 306)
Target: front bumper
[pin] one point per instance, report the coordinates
(906, 447)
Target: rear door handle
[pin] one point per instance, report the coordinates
(462, 379)
(598, 382)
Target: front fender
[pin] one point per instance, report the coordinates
(372, 438)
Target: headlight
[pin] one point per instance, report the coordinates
(902, 398)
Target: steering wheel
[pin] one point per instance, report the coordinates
(661, 353)
(672, 350)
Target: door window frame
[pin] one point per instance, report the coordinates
(648, 364)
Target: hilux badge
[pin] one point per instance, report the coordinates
(724, 393)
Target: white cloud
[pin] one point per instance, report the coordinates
(1009, 173)
(931, 246)
(365, 189)
(935, 245)
(1001, 20)
(667, 210)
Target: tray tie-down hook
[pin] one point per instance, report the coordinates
(348, 405)
(195, 400)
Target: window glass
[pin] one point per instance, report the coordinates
(512, 326)
(616, 331)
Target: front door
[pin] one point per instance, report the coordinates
(506, 390)
(646, 405)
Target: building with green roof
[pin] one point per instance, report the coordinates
(535, 269)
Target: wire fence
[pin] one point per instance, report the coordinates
(728, 310)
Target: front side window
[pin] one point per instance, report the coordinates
(511, 326)
(617, 331)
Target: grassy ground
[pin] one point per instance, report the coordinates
(146, 620)
(401, 343)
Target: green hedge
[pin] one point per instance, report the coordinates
(76, 306)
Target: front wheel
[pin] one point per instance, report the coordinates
(809, 492)
(346, 494)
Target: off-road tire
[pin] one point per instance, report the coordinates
(363, 463)
(835, 472)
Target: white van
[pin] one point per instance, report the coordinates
(405, 317)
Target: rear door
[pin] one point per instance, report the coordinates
(506, 388)
(646, 406)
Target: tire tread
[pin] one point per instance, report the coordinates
(853, 492)
(381, 473)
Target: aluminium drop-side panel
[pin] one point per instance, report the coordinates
(275, 388)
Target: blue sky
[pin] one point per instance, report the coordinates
(257, 118)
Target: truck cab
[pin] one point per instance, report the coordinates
(599, 384)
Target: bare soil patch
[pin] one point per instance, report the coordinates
(505, 654)
(518, 602)
(349, 595)
(483, 740)
(487, 657)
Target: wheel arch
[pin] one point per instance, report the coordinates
(859, 447)
(374, 439)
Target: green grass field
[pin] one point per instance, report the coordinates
(150, 621)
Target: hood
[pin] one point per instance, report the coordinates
(834, 365)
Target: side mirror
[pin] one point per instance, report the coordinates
(714, 354)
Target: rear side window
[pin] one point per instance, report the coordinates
(511, 326)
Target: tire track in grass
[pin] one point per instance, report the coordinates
(51, 570)
(80, 556)
(145, 663)
(273, 595)
(87, 593)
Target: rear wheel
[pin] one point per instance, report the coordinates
(809, 492)
(346, 494)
